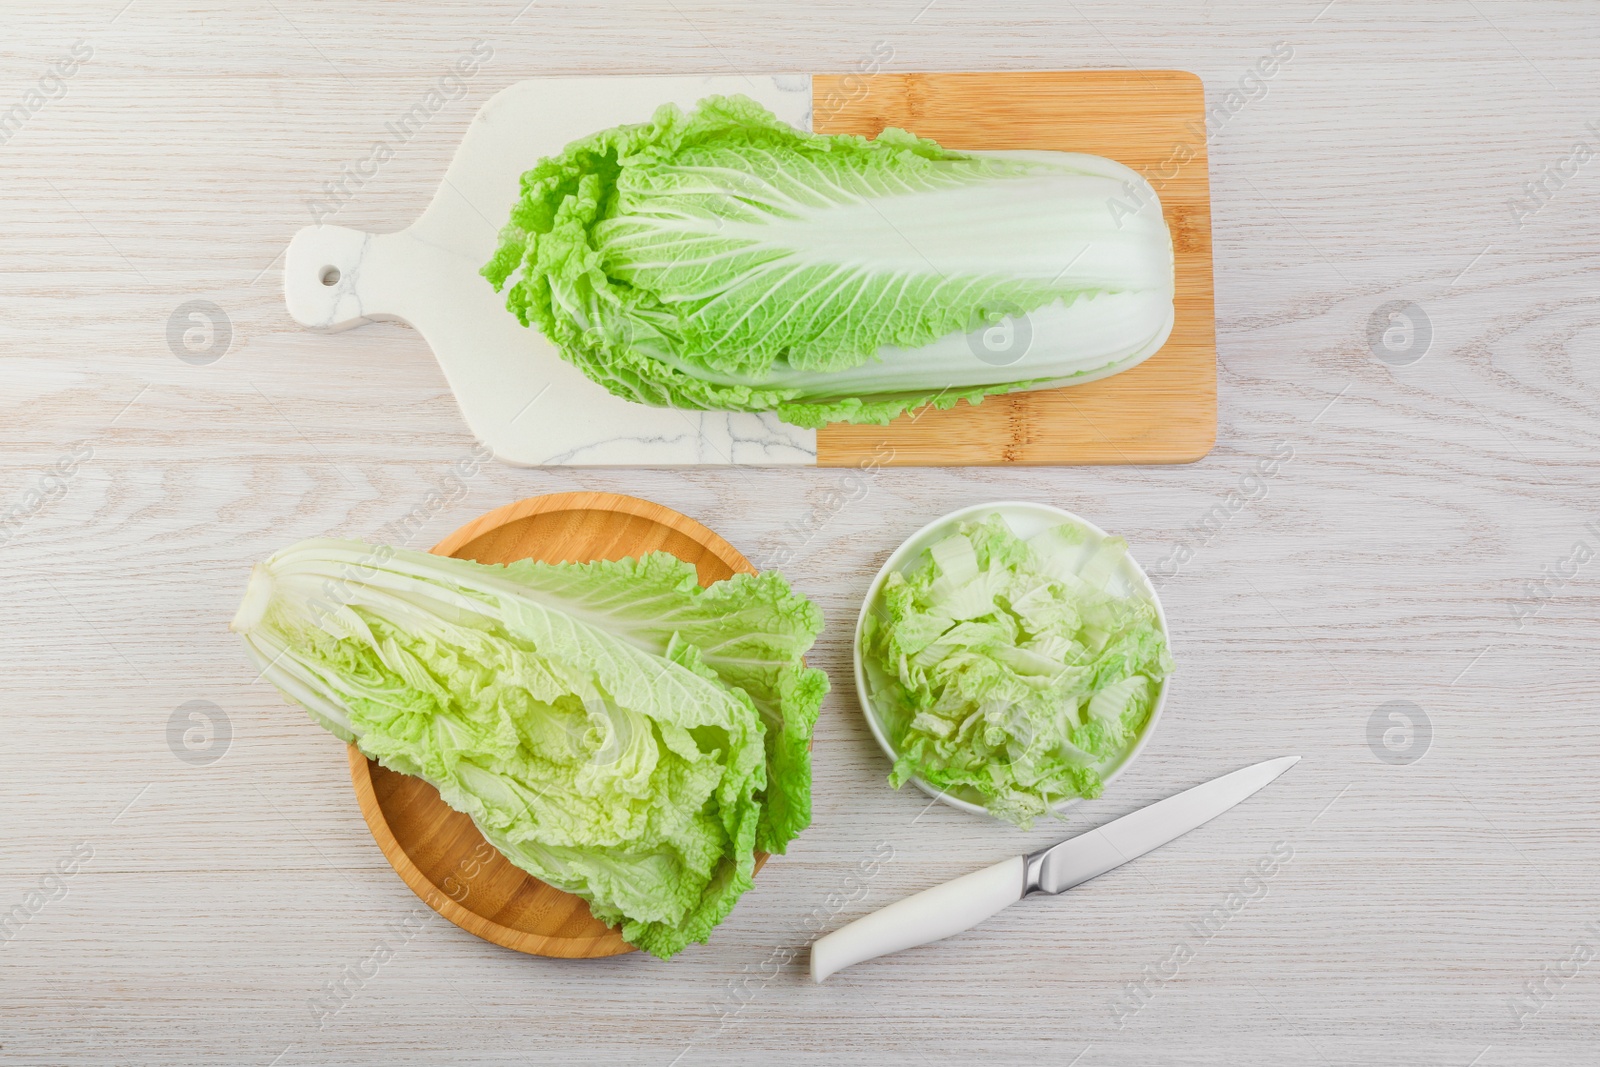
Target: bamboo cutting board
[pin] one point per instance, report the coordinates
(436, 850)
(1162, 411)
(533, 409)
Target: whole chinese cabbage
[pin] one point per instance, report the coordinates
(613, 728)
(1008, 671)
(723, 259)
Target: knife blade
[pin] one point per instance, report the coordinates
(958, 905)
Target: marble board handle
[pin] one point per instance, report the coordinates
(335, 278)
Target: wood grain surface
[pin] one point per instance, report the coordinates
(436, 850)
(235, 909)
(1162, 411)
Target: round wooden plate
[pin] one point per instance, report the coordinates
(436, 850)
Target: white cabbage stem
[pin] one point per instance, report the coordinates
(257, 595)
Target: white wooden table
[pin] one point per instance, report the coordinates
(1387, 559)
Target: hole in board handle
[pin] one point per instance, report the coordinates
(330, 275)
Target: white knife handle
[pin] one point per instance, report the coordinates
(928, 916)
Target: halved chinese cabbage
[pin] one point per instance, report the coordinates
(611, 727)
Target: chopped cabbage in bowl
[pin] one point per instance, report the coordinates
(1011, 658)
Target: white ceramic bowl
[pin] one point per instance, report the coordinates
(1026, 519)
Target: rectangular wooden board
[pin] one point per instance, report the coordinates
(1162, 411)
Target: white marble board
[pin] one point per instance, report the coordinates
(518, 396)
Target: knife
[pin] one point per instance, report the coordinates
(955, 906)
